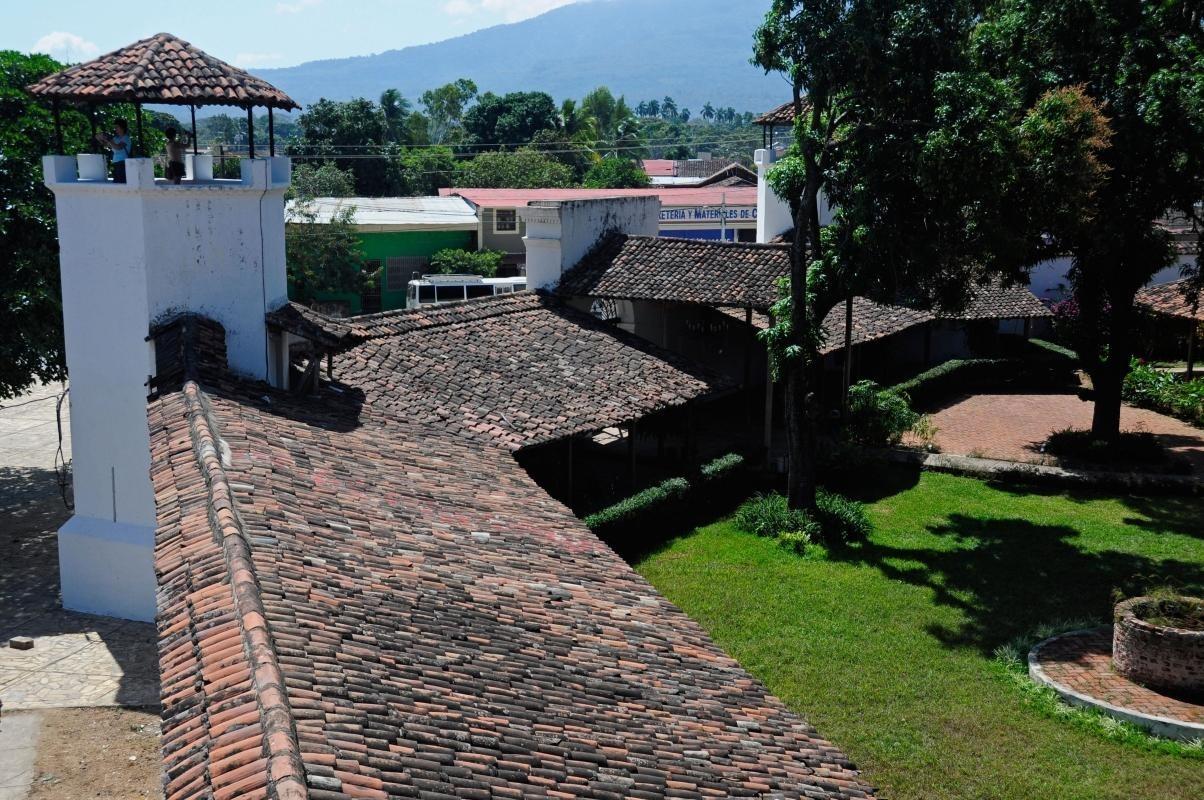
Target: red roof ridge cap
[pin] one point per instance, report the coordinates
(285, 768)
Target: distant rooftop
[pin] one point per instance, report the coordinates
(384, 214)
(1174, 299)
(517, 198)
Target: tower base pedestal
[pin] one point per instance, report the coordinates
(108, 568)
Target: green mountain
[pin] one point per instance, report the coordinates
(693, 50)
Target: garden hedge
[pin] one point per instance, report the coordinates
(1042, 365)
(673, 503)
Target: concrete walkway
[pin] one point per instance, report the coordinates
(18, 750)
(76, 659)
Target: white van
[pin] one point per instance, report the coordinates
(431, 289)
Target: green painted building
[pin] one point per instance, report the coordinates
(398, 235)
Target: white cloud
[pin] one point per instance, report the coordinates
(246, 60)
(296, 7)
(510, 10)
(66, 47)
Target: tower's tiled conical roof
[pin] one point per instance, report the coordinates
(161, 69)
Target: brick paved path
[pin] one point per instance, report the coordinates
(1082, 662)
(1012, 427)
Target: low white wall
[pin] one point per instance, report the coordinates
(560, 233)
(1048, 279)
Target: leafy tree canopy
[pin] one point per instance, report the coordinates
(522, 169)
(445, 108)
(323, 255)
(30, 308)
(321, 180)
(510, 120)
(616, 173)
(452, 261)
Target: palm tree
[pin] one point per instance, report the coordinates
(684, 115)
(576, 123)
(708, 111)
(654, 108)
(669, 108)
(394, 108)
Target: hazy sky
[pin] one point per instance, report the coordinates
(254, 33)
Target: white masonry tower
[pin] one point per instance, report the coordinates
(132, 254)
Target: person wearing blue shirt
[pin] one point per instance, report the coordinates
(119, 144)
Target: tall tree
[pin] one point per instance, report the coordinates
(343, 133)
(668, 108)
(508, 121)
(396, 110)
(31, 316)
(1142, 63)
(708, 111)
(936, 174)
(445, 108)
(521, 169)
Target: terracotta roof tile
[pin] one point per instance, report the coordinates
(1174, 299)
(362, 596)
(782, 115)
(160, 69)
(516, 370)
(441, 626)
(679, 270)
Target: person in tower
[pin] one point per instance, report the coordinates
(175, 154)
(119, 144)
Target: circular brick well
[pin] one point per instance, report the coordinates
(1157, 656)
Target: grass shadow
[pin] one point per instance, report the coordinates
(1002, 575)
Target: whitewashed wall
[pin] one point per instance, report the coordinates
(129, 254)
(559, 233)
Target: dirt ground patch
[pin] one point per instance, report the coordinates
(111, 753)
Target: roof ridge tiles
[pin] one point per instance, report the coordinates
(286, 772)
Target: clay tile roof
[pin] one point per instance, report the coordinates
(515, 370)
(161, 69)
(300, 320)
(1174, 299)
(679, 270)
(871, 321)
(782, 115)
(997, 301)
(357, 603)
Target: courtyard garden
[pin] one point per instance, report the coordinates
(890, 646)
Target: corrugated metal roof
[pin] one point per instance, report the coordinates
(395, 213)
(669, 197)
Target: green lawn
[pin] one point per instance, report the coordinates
(886, 648)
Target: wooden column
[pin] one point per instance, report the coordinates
(1191, 349)
(271, 134)
(848, 357)
(192, 109)
(631, 451)
(569, 473)
(58, 128)
(141, 137)
(250, 132)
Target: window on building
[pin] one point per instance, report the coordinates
(400, 270)
(505, 220)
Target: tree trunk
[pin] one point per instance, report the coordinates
(1108, 379)
(800, 416)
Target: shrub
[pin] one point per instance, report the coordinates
(652, 498)
(722, 467)
(797, 541)
(837, 519)
(769, 515)
(1162, 391)
(877, 416)
(451, 261)
(840, 518)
